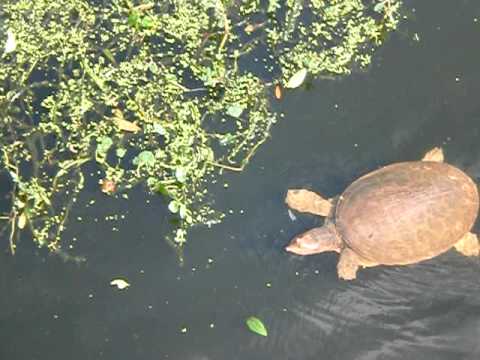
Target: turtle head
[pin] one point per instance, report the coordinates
(315, 241)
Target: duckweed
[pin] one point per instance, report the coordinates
(166, 93)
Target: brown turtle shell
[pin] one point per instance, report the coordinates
(407, 212)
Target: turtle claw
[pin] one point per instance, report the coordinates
(436, 154)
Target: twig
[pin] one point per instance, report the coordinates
(227, 167)
(144, 7)
(226, 32)
(12, 233)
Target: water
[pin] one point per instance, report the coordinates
(418, 94)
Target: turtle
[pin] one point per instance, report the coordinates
(399, 214)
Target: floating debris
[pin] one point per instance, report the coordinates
(256, 325)
(278, 92)
(123, 124)
(120, 283)
(108, 186)
(297, 79)
(291, 215)
(252, 27)
(22, 221)
(11, 43)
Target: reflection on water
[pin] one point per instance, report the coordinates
(403, 311)
(417, 95)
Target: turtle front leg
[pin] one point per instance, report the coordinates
(348, 264)
(307, 201)
(436, 154)
(468, 245)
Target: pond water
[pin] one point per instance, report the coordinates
(422, 91)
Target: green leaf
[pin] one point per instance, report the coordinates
(256, 325)
(14, 177)
(173, 206)
(183, 211)
(297, 79)
(159, 129)
(379, 6)
(121, 152)
(154, 69)
(146, 23)
(181, 174)
(273, 5)
(103, 144)
(235, 110)
(145, 158)
(227, 139)
(133, 18)
(159, 188)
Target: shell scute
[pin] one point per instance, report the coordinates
(407, 212)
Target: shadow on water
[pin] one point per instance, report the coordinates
(418, 94)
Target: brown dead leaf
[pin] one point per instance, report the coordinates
(108, 186)
(126, 125)
(278, 92)
(123, 124)
(252, 27)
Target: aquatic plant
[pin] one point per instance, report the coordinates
(164, 93)
(256, 326)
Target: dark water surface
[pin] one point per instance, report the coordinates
(418, 94)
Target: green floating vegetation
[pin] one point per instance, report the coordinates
(166, 93)
(256, 325)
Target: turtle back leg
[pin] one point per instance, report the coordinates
(468, 245)
(348, 264)
(307, 201)
(436, 154)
